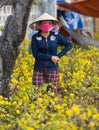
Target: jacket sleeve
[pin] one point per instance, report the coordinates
(66, 43)
(36, 53)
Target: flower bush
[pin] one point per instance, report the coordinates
(75, 107)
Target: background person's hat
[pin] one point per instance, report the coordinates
(43, 17)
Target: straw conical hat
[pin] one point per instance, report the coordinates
(43, 17)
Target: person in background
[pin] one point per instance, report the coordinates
(44, 45)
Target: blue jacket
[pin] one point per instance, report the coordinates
(43, 49)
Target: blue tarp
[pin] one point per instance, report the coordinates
(73, 19)
(60, 0)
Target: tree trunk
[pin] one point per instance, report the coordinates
(13, 35)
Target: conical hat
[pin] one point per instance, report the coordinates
(43, 17)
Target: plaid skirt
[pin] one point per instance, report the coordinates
(48, 76)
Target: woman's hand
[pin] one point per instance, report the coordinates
(55, 59)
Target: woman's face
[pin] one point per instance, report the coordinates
(46, 26)
(46, 22)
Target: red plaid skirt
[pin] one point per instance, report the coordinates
(50, 76)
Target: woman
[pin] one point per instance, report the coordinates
(44, 48)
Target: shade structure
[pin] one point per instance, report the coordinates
(86, 7)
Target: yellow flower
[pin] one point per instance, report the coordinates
(58, 107)
(1, 97)
(72, 126)
(76, 109)
(55, 99)
(18, 111)
(71, 95)
(8, 126)
(39, 116)
(40, 100)
(69, 113)
(91, 124)
(89, 113)
(83, 116)
(2, 115)
(29, 128)
(96, 116)
(2, 102)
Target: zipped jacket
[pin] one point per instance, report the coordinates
(44, 48)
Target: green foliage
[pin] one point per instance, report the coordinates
(36, 2)
(1, 28)
(96, 35)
